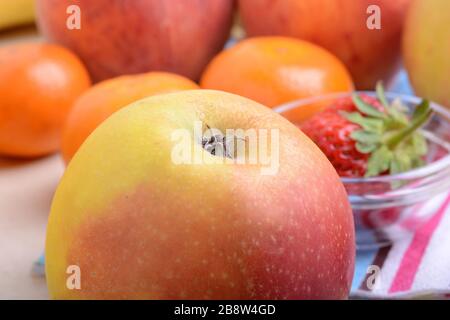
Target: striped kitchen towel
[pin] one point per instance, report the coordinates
(414, 266)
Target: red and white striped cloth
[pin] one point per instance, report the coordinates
(415, 266)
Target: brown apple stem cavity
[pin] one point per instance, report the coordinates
(216, 145)
(219, 144)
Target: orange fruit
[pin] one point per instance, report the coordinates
(276, 70)
(38, 85)
(108, 96)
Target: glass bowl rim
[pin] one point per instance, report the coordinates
(424, 171)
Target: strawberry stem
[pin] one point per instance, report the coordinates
(418, 121)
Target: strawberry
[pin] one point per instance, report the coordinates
(364, 136)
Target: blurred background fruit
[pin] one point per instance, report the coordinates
(106, 97)
(426, 49)
(38, 84)
(339, 26)
(275, 70)
(16, 12)
(122, 37)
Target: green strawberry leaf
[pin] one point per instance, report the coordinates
(397, 115)
(403, 160)
(381, 95)
(368, 124)
(379, 161)
(420, 144)
(365, 137)
(366, 108)
(395, 166)
(365, 148)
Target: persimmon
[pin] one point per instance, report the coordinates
(276, 70)
(108, 96)
(38, 85)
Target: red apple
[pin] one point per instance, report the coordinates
(123, 37)
(338, 25)
(137, 224)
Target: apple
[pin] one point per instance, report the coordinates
(119, 37)
(129, 221)
(341, 26)
(426, 49)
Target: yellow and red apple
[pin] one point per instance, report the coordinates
(139, 225)
(117, 37)
(426, 49)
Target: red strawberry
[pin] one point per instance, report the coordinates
(366, 136)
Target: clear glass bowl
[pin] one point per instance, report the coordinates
(387, 207)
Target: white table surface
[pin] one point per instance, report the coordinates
(26, 189)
